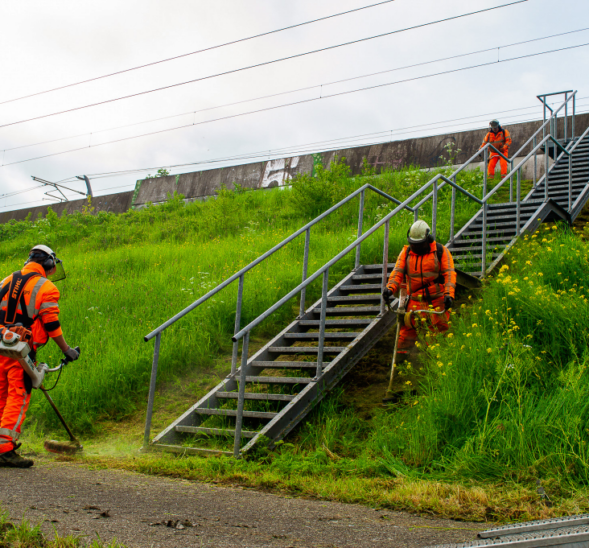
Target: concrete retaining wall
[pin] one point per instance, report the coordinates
(116, 203)
(426, 152)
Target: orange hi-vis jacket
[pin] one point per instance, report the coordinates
(37, 308)
(427, 277)
(500, 140)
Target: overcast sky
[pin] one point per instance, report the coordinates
(44, 45)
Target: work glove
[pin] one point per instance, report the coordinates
(71, 354)
(448, 302)
(387, 294)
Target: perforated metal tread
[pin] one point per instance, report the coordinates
(536, 525)
(565, 537)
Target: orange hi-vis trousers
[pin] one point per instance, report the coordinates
(14, 402)
(493, 164)
(436, 323)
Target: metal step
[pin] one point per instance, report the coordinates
(213, 431)
(361, 287)
(328, 336)
(351, 311)
(355, 299)
(233, 413)
(368, 277)
(356, 322)
(279, 380)
(255, 396)
(306, 349)
(188, 450)
(287, 365)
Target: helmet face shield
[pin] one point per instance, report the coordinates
(59, 273)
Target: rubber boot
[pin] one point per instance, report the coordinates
(12, 459)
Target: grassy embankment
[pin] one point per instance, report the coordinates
(26, 535)
(430, 453)
(501, 403)
(129, 273)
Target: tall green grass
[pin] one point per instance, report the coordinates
(129, 273)
(507, 394)
(504, 396)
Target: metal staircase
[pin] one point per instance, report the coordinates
(273, 390)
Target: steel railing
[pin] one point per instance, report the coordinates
(549, 130)
(241, 277)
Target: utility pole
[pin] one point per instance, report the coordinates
(57, 187)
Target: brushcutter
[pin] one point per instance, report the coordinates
(12, 346)
(402, 317)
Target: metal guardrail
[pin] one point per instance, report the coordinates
(549, 130)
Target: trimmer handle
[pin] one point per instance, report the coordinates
(66, 359)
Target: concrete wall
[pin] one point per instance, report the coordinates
(116, 203)
(423, 151)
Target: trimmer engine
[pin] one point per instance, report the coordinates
(12, 346)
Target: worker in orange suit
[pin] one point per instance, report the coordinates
(501, 140)
(29, 307)
(427, 269)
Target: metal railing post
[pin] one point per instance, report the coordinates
(453, 210)
(416, 215)
(518, 205)
(305, 268)
(434, 209)
(535, 163)
(241, 396)
(385, 266)
(484, 242)
(322, 324)
(360, 223)
(574, 114)
(570, 181)
(566, 115)
(511, 182)
(152, 383)
(546, 158)
(237, 324)
(485, 172)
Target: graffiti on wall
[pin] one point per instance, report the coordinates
(278, 172)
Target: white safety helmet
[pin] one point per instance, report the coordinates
(419, 233)
(47, 258)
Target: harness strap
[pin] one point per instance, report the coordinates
(16, 300)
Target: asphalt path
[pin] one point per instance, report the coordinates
(150, 512)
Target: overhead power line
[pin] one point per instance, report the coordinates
(304, 101)
(265, 63)
(210, 48)
(296, 90)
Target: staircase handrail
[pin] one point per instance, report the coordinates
(267, 254)
(325, 268)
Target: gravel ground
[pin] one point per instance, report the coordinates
(145, 511)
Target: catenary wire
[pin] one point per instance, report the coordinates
(302, 101)
(307, 88)
(262, 64)
(210, 48)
